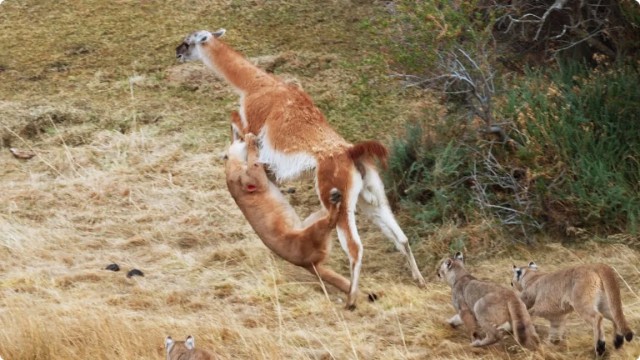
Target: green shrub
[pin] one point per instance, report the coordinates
(583, 128)
(427, 177)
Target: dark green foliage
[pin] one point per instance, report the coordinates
(584, 131)
(579, 165)
(427, 177)
(568, 151)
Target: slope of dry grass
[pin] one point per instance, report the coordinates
(127, 170)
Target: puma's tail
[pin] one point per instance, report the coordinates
(335, 197)
(612, 290)
(370, 149)
(521, 325)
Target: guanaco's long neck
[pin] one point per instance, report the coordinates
(234, 68)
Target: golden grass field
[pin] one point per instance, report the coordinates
(127, 169)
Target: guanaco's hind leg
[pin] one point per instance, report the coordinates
(373, 203)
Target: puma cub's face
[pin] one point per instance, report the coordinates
(178, 347)
(519, 273)
(445, 267)
(190, 48)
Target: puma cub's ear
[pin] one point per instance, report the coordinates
(533, 266)
(515, 268)
(190, 343)
(168, 342)
(459, 256)
(448, 263)
(219, 33)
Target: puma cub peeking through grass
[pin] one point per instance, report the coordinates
(591, 290)
(185, 350)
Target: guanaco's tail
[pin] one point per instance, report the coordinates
(335, 197)
(612, 291)
(521, 325)
(369, 150)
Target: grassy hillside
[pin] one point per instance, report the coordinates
(127, 169)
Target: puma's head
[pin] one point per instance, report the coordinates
(519, 273)
(235, 161)
(447, 268)
(177, 348)
(190, 48)
(237, 151)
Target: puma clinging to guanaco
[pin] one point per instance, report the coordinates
(303, 243)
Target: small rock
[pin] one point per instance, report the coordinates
(113, 267)
(134, 272)
(22, 154)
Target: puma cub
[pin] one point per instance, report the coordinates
(591, 290)
(185, 350)
(495, 308)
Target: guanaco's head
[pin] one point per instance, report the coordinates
(447, 269)
(519, 274)
(190, 47)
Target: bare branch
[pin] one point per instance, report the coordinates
(558, 5)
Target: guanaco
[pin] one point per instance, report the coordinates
(295, 138)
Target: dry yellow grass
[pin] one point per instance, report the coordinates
(128, 171)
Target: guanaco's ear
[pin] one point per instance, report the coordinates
(168, 342)
(219, 33)
(190, 343)
(458, 256)
(533, 266)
